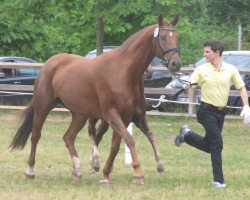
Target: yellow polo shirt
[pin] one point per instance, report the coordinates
(215, 84)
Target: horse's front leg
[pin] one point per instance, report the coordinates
(115, 146)
(114, 119)
(77, 123)
(142, 124)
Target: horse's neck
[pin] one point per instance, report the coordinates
(139, 52)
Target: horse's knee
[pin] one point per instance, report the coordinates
(130, 142)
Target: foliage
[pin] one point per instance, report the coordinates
(229, 10)
(39, 29)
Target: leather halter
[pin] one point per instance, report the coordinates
(165, 51)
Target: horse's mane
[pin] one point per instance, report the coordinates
(135, 35)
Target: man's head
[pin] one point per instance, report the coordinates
(213, 51)
(215, 46)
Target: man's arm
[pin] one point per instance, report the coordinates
(246, 109)
(244, 96)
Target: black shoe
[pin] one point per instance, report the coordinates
(180, 138)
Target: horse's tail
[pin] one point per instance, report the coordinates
(20, 139)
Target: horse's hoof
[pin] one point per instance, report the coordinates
(29, 176)
(96, 163)
(97, 169)
(91, 170)
(105, 181)
(138, 180)
(76, 177)
(160, 167)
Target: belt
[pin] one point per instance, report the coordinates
(211, 107)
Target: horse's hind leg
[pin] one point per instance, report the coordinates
(77, 123)
(40, 113)
(102, 129)
(141, 122)
(94, 160)
(96, 137)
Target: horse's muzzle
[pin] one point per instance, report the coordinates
(175, 65)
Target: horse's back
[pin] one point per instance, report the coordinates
(71, 62)
(71, 78)
(64, 60)
(67, 67)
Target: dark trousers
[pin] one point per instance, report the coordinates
(212, 143)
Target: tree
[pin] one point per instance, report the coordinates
(19, 30)
(229, 10)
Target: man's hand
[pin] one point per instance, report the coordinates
(186, 87)
(245, 111)
(246, 114)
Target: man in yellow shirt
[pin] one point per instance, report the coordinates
(215, 78)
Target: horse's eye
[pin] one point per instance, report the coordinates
(162, 37)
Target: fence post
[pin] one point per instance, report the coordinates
(191, 106)
(128, 158)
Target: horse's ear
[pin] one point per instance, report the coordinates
(175, 21)
(160, 20)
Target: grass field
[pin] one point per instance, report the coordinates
(187, 171)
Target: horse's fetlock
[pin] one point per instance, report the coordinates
(76, 163)
(136, 166)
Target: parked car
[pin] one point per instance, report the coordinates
(240, 59)
(152, 79)
(17, 76)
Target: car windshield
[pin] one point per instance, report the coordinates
(240, 61)
(157, 62)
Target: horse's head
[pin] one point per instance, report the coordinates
(167, 43)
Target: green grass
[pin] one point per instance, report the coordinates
(187, 171)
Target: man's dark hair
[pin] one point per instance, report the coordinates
(215, 46)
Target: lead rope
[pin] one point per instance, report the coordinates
(184, 82)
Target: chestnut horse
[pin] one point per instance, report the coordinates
(101, 88)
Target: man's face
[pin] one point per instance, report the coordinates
(209, 55)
